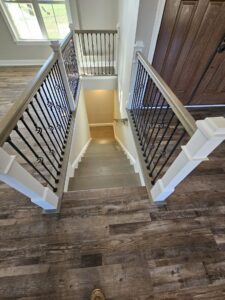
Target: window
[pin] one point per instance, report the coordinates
(37, 19)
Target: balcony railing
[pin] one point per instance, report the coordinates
(97, 52)
(161, 125)
(37, 130)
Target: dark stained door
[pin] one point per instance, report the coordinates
(186, 54)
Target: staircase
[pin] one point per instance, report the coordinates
(104, 166)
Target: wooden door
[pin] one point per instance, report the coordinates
(190, 33)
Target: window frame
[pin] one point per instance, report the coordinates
(13, 30)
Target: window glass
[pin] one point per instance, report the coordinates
(25, 20)
(55, 19)
(34, 19)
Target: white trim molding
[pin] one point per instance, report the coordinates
(132, 160)
(210, 134)
(100, 124)
(13, 174)
(75, 163)
(21, 62)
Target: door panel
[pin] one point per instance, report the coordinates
(212, 87)
(189, 34)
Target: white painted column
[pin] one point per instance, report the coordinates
(55, 45)
(13, 174)
(210, 134)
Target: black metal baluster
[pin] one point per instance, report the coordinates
(9, 141)
(39, 130)
(53, 117)
(163, 135)
(145, 108)
(158, 126)
(164, 148)
(58, 87)
(134, 98)
(52, 151)
(51, 94)
(154, 127)
(139, 92)
(52, 126)
(152, 122)
(153, 94)
(169, 156)
(140, 111)
(58, 101)
(63, 91)
(39, 145)
(146, 97)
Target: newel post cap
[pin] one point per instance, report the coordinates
(55, 45)
(212, 127)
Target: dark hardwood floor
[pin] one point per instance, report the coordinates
(117, 240)
(13, 80)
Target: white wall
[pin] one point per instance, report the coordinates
(97, 14)
(128, 14)
(100, 106)
(81, 129)
(146, 19)
(9, 50)
(149, 21)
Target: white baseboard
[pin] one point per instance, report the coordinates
(22, 62)
(72, 166)
(132, 160)
(80, 155)
(100, 124)
(129, 156)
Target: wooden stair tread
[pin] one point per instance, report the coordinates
(92, 182)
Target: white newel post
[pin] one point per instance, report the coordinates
(209, 134)
(13, 174)
(55, 45)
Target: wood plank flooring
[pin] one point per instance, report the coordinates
(116, 240)
(12, 82)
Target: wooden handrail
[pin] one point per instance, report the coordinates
(178, 108)
(66, 40)
(9, 121)
(95, 31)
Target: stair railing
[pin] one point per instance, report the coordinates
(161, 125)
(35, 135)
(97, 52)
